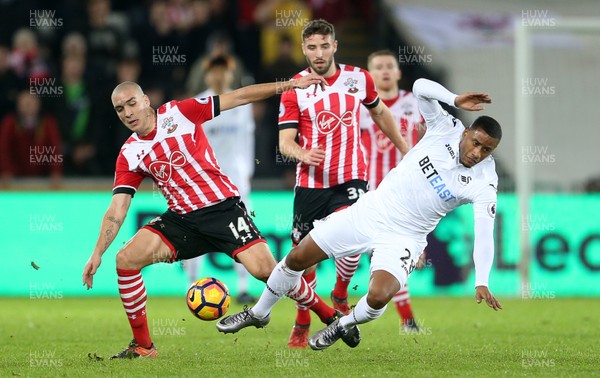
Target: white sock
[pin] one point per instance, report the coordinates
(362, 313)
(280, 282)
(242, 275)
(191, 267)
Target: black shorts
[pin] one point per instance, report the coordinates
(313, 204)
(225, 227)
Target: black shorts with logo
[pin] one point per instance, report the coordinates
(225, 227)
(313, 204)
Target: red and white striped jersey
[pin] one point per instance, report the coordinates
(380, 152)
(329, 120)
(177, 156)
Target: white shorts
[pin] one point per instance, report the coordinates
(356, 230)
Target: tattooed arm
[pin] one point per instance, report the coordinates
(111, 223)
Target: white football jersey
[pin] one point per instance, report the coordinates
(430, 181)
(231, 136)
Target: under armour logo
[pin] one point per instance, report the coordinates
(140, 155)
(328, 121)
(308, 94)
(162, 170)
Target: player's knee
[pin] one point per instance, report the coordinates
(295, 261)
(123, 260)
(377, 299)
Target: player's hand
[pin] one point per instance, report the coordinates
(312, 157)
(90, 269)
(471, 101)
(482, 293)
(308, 80)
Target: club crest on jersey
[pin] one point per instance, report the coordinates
(350, 82)
(327, 121)
(464, 180)
(382, 142)
(162, 170)
(169, 125)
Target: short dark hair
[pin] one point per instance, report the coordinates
(219, 61)
(489, 125)
(319, 26)
(385, 52)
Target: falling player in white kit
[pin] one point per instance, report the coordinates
(449, 167)
(231, 136)
(379, 150)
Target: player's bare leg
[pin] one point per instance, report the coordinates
(382, 288)
(144, 249)
(259, 261)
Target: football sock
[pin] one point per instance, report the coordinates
(304, 295)
(280, 282)
(344, 269)
(361, 313)
(191, 267)
(242, 275)
(402, 301)
(133, 296)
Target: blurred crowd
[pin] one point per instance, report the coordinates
(60, 60)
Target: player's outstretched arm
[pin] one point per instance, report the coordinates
(291, 149)
(383, 118)
(111, 224)
(259, 92)
(482, 293)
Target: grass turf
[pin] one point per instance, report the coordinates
(552, 337)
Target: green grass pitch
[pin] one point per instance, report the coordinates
(552, 337)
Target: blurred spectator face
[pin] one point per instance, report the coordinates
(98, 11)
(158, 16)
(74, 44)
(128, 70)
(73, 68)
(28, 105)
(25, 41)
(385, 72)
(200, 12)
(219, 78)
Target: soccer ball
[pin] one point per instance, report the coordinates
(208, 298)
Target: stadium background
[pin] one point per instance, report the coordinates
(51, 213)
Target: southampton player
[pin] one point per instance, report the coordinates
(232, 127)
(204, 213)
(449, 167)
(321, 131)
(379, 150)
